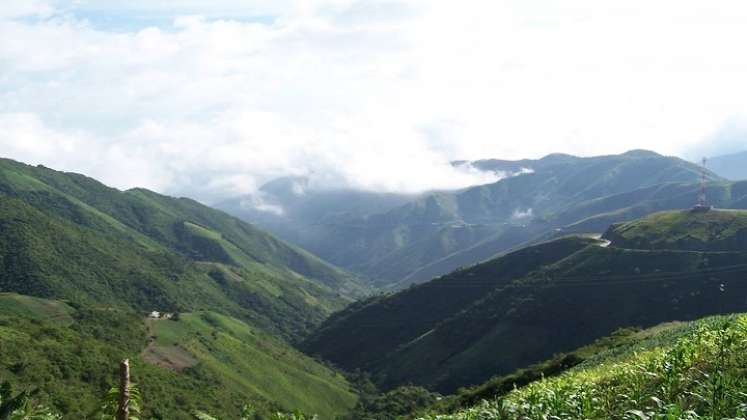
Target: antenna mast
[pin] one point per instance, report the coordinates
(702, 195)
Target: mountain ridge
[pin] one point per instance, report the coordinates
(549, 307)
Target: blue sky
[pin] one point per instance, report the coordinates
(213, 98)
(124, 16)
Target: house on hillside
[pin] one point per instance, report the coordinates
(160, 315)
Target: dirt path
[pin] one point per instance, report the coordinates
(169, 357)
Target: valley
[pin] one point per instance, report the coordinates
(247, 320)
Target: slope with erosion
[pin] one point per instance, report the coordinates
(112, 255)
(558, 306)
(68, 351)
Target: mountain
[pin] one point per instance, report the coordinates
(438, 232)
(672, 371)
(71, 240)
(715, 230)
(733, 166)
(68, 236)
(297, 211)
(527, 305)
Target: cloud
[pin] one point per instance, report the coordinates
(520, 215)
(730, 137)
(375, 94)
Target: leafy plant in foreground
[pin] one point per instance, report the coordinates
(22, 406)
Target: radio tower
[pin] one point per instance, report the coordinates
(702, 206)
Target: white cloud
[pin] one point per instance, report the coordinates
(730, 137)
(374, 94)
(520, 215)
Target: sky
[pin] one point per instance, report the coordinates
(212, 98)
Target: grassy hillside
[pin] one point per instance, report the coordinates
(204, 361)
(112, 256)
(685, 371)
(68, 236)
(554, 305)
(250, 362)
(715, 230)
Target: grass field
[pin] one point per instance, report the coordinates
(715, 230)
(12, 304)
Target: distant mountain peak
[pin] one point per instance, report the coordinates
(641, 153)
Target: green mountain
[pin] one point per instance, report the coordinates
(672, 371)
(523, 307)
(715, 230)
(438, 232)
(202, 361)
(66, 237)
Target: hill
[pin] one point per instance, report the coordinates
(68, 236)
(112, 256)
(203, 360)
(438, 232)
(715, 230)
(677, 371)
(732, 166)
(536, 302)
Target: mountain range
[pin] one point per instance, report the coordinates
(527, 305)
(104, 258)
(442, 290)
(394, 244)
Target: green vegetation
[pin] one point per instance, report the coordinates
(81, 263)
(525, 307)
(394, 404)
(70, 357)
(67, 236)
(251, 362)
(363, 333)
(434, 234)
(692, 371)
(12, 304)
(715, 230)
